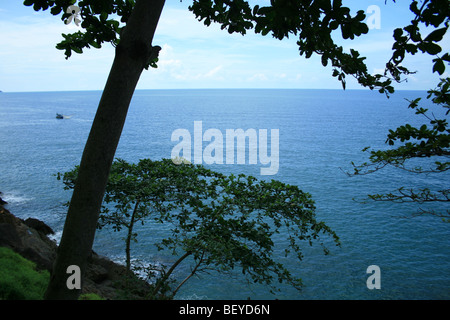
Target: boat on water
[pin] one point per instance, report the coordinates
(62, 116)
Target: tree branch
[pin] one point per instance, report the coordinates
(167, 275)
(190, 275)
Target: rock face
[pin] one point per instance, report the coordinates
(2, 202)
(29, 239)
(25, 240)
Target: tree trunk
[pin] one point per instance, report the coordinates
(164, 278)
(129, 236)
(132, 54)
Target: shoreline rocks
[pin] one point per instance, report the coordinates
(30, 239)
(2, 202)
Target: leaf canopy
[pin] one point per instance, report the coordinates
(223, 221)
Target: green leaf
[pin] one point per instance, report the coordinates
(446, 57)
(436, 35)
(334, 25)
(56, 10)
(398, 33)
(430, 48)
(439, 66)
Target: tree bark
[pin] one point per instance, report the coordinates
(129, 236)
(167, 275)
(132, 54)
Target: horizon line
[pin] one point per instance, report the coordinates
(250, 88)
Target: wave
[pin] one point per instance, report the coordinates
(192, 296)
(56, 236)
(15, 198)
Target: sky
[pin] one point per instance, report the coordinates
(193, 55)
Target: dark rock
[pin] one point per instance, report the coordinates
(39, 226)
(103, 276)
(9, 237)
(96, 272)
(2, 202)
(28, 242)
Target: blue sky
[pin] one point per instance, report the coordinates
(193, 55)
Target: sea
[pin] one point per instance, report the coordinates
(321, 132)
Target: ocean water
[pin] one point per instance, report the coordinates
(320, 133)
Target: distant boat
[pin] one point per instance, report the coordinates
(61, 116)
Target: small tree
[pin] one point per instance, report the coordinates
(220, 222)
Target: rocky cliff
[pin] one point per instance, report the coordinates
(30, 239)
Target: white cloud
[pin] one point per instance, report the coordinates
(166, 58)
(258, 77)
(29, 60)
(192, 56)
(211, 73)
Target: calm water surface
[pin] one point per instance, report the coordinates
(321, 132)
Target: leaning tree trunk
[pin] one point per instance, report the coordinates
(132, 54)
